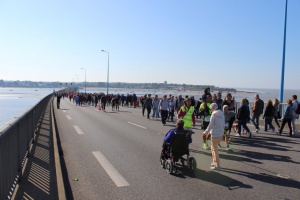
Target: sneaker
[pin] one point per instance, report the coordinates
(237, 134)
(229, 148)
(256, 131)
(215, 168)
(205, 146)
(213, 164)
(250, 134)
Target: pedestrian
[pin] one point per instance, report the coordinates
(143, 99)
(58, 97)
(148, 105)
(123, 99)
(229, 101)
(257, 110)
(117, 102)
(288, 117)
(96, 100)
(163, 107)
(269, 115)
(206, 112)
(155, 103)
(216, 130)
(171, 108)
(134, 100)
(227, 116)
(103, 102)
(277, 114)
(179, 103)
(206, 92)
(77, 99)
(219, 100)
(243, 116)
(296, 115)
(187, 113)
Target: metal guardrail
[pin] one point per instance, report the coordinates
(15, 140)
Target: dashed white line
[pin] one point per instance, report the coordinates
(79, 131)
(68, 116)
(116, 177)
(137, 125)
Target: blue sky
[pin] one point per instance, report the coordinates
(226, 43)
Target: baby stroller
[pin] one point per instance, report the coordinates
(172, 153)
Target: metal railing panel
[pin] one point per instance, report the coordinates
(15, 140)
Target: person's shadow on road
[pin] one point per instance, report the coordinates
(215, 177)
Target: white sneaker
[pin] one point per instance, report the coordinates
(215, 168)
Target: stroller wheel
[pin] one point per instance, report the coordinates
(192, 163)
(162, 162)
(169, 166)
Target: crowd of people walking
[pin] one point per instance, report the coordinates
(217, 117)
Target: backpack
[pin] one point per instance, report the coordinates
(298, 109)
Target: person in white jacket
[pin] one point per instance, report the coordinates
(216, 129)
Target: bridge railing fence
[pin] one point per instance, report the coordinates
(15, 141)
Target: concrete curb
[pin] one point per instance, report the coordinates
(59, 176)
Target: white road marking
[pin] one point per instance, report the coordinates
(137, 125)
(68, 116)
(116, 177)
(64, 111)
(158, 133)
(79, 131)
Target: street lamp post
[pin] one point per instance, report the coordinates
(84, 78)
(283, 55)
(107, 84)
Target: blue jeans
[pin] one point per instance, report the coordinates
(155, 113)
(256, 122)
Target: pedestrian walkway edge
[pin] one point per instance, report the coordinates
(59, 176)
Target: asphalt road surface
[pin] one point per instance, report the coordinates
(115, 155)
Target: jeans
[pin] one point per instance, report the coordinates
(294, 127)
(171, 114)
(285, 120)
(148, 111)
(276, 121)
(103, 105)
(244, 124)
(256, 122)
(268, 121)
(164, 116)
(155, 113)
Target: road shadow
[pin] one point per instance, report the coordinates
(212, 176)
(111, 112)
(266, 178)
(248, 156)
(233, 156)
(125, 111)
